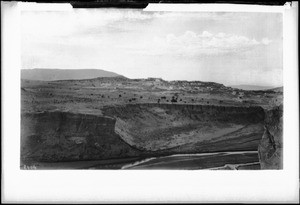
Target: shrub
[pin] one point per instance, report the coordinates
(173, 100)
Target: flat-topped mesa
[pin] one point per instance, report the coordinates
(64, 74)
(155, 79)
(102, 79)
(142, 83)
(197, 83)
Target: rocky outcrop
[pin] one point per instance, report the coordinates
(270, 147)
(63, 136)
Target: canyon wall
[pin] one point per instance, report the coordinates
(138, 130)
(271, 146)
(161, 127)
(62, 136)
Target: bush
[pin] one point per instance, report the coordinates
(173, 100)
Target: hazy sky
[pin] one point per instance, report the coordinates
(229, 48)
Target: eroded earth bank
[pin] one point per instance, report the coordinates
(115, 135)
(141, 130)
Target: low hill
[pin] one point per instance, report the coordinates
(64, 74)
(251, 87)
(278, 89)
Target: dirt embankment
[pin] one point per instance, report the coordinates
(270, 147)
(161, 127)
(61, 136)
(139, 130)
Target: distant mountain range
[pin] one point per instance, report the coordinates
(64, 74)
(251, 87)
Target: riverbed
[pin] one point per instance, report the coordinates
(218, 160)
(247, 160)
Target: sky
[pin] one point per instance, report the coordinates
(231, 48)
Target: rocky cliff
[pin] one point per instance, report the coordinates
(270, 147)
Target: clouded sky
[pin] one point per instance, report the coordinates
(229, 48)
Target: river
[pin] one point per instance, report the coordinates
(214, 161)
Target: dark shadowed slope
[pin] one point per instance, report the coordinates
(64, 74)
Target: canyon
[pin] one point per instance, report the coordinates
(108, 122)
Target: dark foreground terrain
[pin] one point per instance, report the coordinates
(116, 122)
